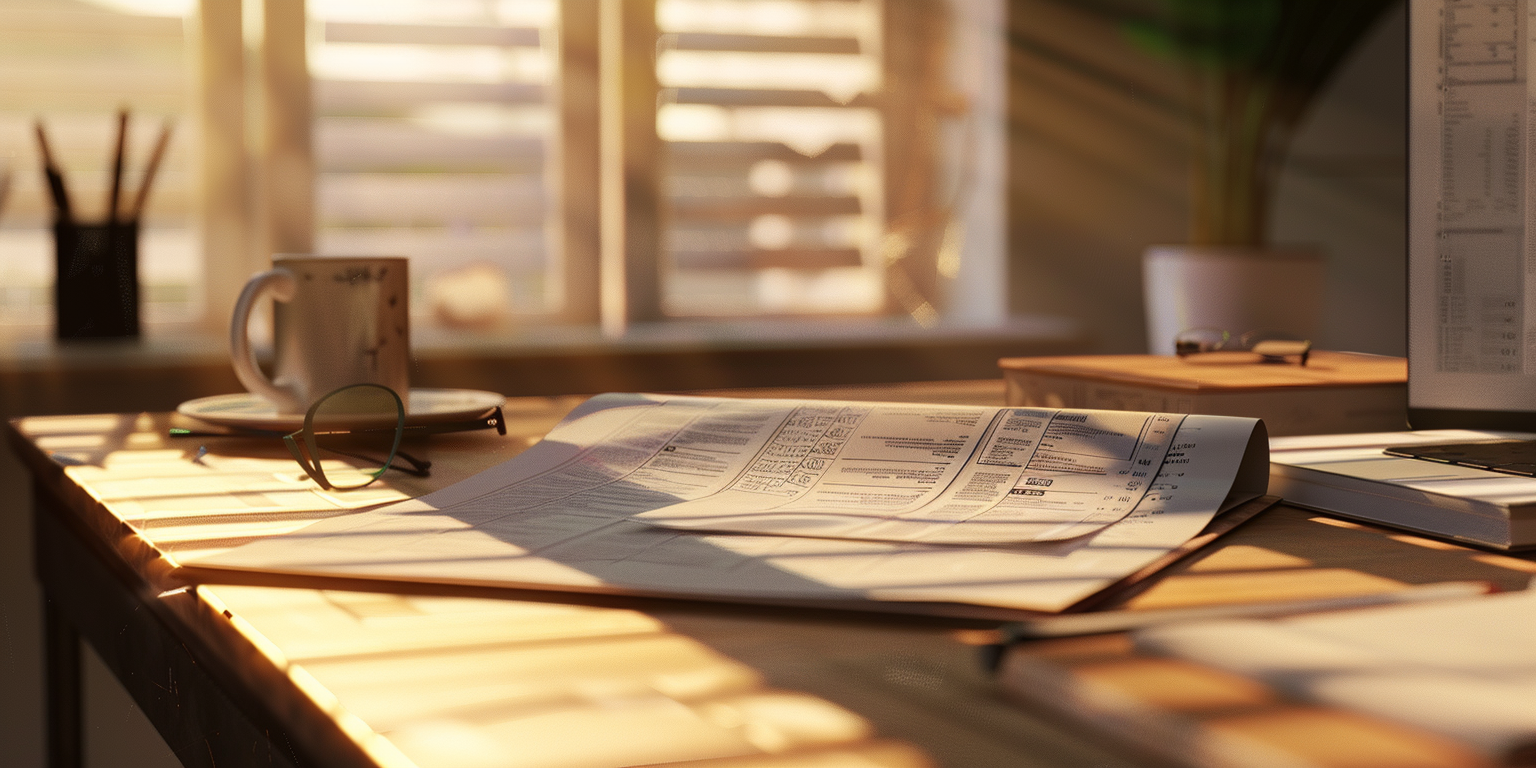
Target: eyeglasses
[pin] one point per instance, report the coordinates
(352, 436)
(1271, 347)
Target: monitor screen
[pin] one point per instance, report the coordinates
(1471, 215)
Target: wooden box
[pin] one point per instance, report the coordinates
(1334, 392)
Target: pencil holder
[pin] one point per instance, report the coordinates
(96, 287)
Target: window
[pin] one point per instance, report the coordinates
(773, 166)
(432, 126)
(73, 65)
(546, 161)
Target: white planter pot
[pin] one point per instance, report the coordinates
(1231, 288)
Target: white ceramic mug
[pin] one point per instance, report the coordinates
(337, 321)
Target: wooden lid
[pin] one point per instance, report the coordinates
(1220, 370)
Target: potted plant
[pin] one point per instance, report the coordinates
(1255, 67)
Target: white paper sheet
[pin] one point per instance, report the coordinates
(898, 472)
(563, 515)
(877, 471)
(1463, 668)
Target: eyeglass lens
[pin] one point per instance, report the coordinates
(353, 434)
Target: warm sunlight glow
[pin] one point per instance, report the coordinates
(482, 119)
(53, 425)
(771, 178)
(809, 131)
(775, 722)
(173, 8)
(70, 442)
(381, 62)
(771, 232)
(844, 288)
(841, 77)
(531, 13)
(766, 17)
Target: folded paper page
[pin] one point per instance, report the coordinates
(569, 512)
(896, 472)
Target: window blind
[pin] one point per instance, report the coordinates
(73, 65)
(432, 123)
(773, 176)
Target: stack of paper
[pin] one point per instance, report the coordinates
(1350, 475)
(808, 502)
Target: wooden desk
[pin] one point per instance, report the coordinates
(259, 675)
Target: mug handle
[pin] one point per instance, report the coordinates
(280, 283)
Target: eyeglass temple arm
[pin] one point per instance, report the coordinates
(231, 432)
(489, 419)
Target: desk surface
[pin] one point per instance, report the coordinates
(394, 678)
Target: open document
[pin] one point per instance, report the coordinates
(897, 472)
(808, 501)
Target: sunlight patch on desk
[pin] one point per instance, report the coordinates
(216, 507)
(466, 682)
(449, 743)
(1340, 738)
(1188, 589)
(71, 442)
(169, 537)
(1337, 523)
(384, 752)
(779, 721)
(83, 424)
(1247, 557)
(1419, 541)
(149, 459)
(1177, 685)
(654, 731)
(143, 440)
(149, 488)
(319, 625)
(1504, 561)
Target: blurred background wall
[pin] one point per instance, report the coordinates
(1098, 171)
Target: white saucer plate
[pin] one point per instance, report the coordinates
(427, 406)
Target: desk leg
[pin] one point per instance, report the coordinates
(61, 649)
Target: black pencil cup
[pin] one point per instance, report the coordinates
(96, 287)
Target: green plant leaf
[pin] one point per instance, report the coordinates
(1214, 33)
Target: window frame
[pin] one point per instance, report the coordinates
(608, 246)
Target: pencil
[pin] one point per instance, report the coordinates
(117, 166)
(149, 170)
(56, 186)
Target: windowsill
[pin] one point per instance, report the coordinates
(32, 347)
(171, 365)
(733, 334)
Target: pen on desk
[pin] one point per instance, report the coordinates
(117, 167)
(1073, 625)
(55, 177)
(150, 169)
